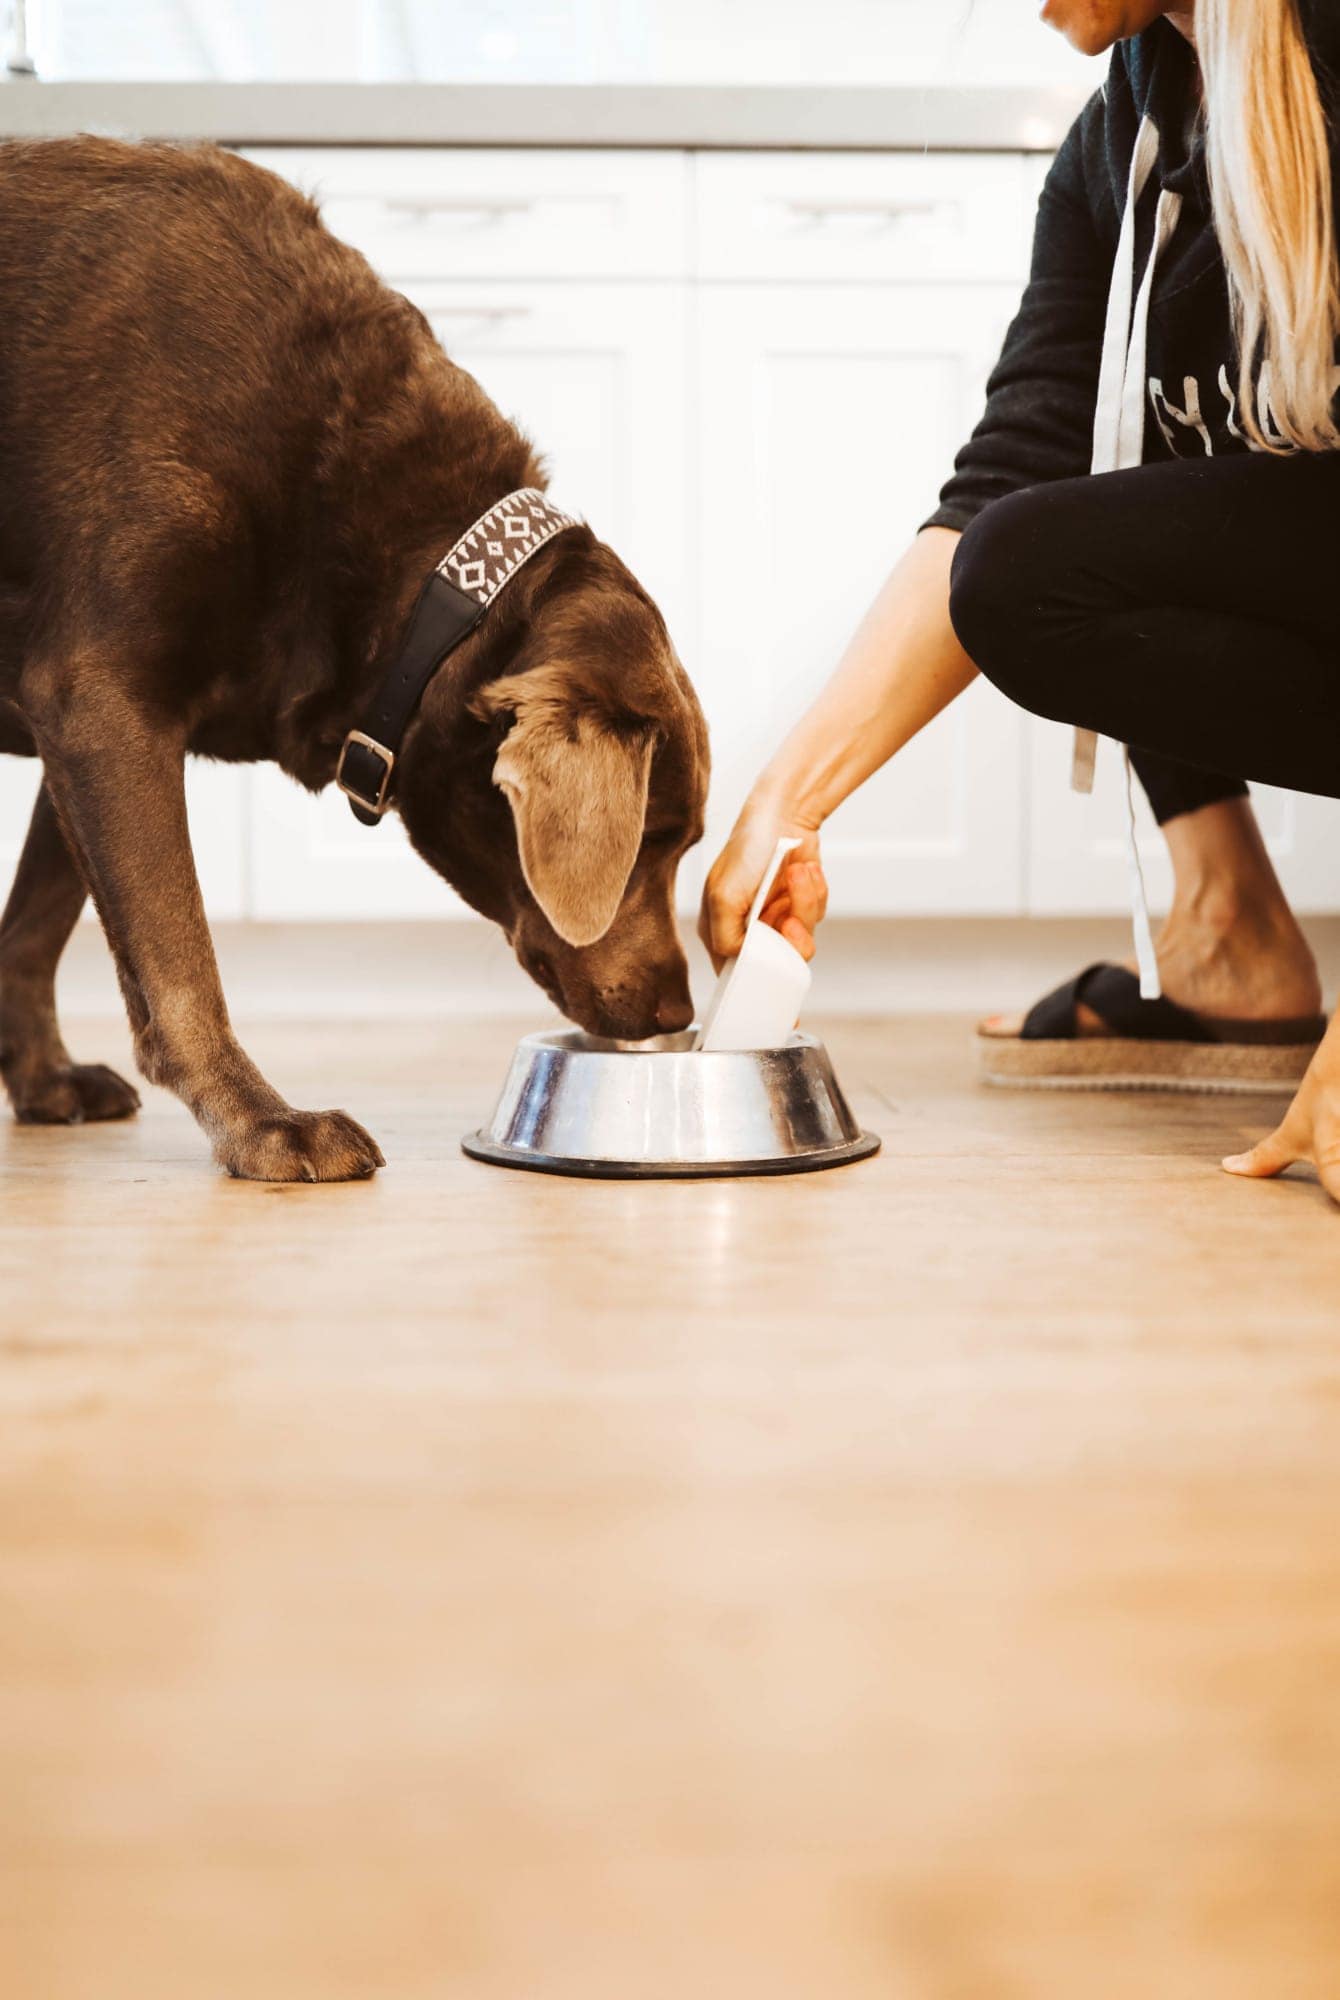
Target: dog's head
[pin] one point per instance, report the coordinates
(558, 788)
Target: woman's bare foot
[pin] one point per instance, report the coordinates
(1231, 946)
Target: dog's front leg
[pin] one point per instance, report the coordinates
(118, 783)
(44, 1085)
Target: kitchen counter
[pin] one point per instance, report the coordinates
(768, 117)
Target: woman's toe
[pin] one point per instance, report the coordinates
(1002, 1027)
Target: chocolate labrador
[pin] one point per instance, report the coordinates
(250, 510)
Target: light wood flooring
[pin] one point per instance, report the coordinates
(916, 1582)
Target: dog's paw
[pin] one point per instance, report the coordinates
(301, 1146)
(82, 1094)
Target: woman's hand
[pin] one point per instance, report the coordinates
(797, 901)
(1311, 1129)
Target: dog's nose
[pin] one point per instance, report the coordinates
(672, 1014)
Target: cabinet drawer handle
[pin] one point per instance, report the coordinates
(814, 212)
(483, 211)
(491, 318)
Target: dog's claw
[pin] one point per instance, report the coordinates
(302, 1146)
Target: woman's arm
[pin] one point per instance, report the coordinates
(902, 667)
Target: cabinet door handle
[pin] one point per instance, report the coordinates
(489, 318)
(482, 211)
(814, 211)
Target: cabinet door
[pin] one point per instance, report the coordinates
(216, 799)
(830, 417)
(1077, 863)
(595, 375)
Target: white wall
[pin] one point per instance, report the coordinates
(700, 41)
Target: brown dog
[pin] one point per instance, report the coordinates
(229, 459)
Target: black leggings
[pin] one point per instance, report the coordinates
(1189, 609)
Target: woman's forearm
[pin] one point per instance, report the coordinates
(902, 667)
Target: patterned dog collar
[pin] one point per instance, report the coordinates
(451, 603)
(493, 550)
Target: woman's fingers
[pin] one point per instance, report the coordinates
(799, 895)
(1291, 1140)
(796, 934)
(1271, 1156)
(726, 900)
(780, 916)
(808, 891)
(732, 883)
(796, 907)
(1311, 1128)
(1282, 1149)
(800, 892)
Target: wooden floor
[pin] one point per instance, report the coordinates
(919, 1582)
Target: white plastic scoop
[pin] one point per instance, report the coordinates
(759, 993)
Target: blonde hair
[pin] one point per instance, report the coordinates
(1270, 177)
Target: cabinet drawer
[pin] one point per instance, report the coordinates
(863, 216)
(435, 213)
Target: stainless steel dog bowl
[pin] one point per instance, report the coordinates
(659, 1110)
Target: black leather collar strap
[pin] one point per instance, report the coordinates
(450, 605)
(440, 620)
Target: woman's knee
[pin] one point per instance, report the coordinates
(1003, 598)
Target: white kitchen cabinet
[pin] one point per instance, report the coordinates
(806, 383)
(1077, 860)
(751, 373)
(828, 420)
(217, 799)
(596, 375)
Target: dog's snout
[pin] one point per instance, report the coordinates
(674, 1011)
(542, 972)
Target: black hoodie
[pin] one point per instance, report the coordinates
(1039, 417)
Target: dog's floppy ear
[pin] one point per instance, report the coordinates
(576, 780)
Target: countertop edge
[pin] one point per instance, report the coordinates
(670, 116)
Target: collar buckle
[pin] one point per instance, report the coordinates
(373, 802)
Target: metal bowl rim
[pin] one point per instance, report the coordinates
(576, 1045)
(579, 1166)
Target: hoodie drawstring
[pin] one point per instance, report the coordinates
(1118, 443)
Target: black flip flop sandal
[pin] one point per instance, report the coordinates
(1148, 1044)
